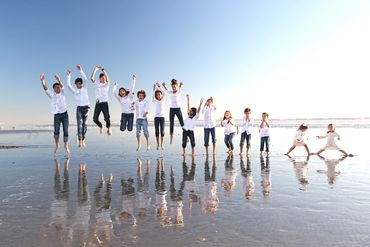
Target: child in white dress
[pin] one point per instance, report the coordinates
(331, 134)
(300, 139)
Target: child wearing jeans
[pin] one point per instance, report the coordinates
(159, 102)
(264, 129)
(189, 125)
(59, 110)
(247, 124)
(229, 129)
(209, 124)
(142, 109)
(126, 98)
(175, 105)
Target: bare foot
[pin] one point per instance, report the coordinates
(102, 178)
(138, 147)
(83, 143)
(80, 143)
(148, 148)
(110, 177)
(101, 130)
(109, 131)
(66, 147)
(56, 150)
(157, 147)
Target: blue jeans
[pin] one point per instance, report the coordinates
(177, 112)
(207, 131)
(159, 125)
(127, 121)
(82, 114)
(229, 140)
(142, 123)
(61, 118)
(265, 141)
(188, 134)
(245, 137)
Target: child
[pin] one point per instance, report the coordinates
(209, 124)
(159, 102)
(82, 102)
(101, 94)
(247, 124)
(175, 105)
(331, 134)
(189, 125)
(300, 139)
(229, 128)
(264, 129)
(126, 99)
(59, 110)
(142, 109)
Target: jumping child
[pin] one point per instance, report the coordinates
(142, 110)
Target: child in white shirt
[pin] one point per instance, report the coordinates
(300, 139)
(159, 103)
(126, 99)
(331, 144)
(189, 125)
(247, 124)
(264, 129)
(209, 124)
(229, 129)
(142, 110)
(59, 110)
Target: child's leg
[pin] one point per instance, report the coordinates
(146, 132)
(192, 142)
(138, 133)
(267, 144)
(79, 125)
(65, 124)
(213, 135)
(97, 110)
(184, 140)
(156, 128)
(231, 141)
(226, 140)
(343, 152)
(57, 122)
(206, 138)
(291, 149)
(307, 149)
(106, 116)
(85, 115)
(320, 151)
(130, 121)
(242, 140)
(172, 122)
(124, 121)
(178, 114)
(161, 127)
(249, 136)
(262, 144)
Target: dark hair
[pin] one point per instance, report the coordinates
(193, 111)
(228, 112)
(155, 94)
(173, 82)
(78, 80)
(247, 110)
(141, 92)
(303, 127)
(124, 89)
(265, 113)
(101, 75)
(56, 84)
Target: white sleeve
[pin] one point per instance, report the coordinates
(115, 93)
(84, 78)
(47, 91)
(69, 85)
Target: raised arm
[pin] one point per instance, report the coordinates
(115, 93)
(83, 75)
(106, 75)
(70, 87)
(180, 85)
(200, 104)
(165, 86)
(133, 82)
(92, 77)
(188, 102)
(43, 83)
(57, 77)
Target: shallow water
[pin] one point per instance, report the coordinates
(290, 202)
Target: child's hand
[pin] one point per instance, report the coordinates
(79, 67)
(69, 72)
(338, 138)
(317, 136)
(164, 84)
(187, 96)
(201, 100)
(42, 77)
(181, 84)
(115, 84)
(57, 77)
(134, 77)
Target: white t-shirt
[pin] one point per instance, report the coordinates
(330, 143)
(141, 108)
(265, 131)
(127, 102)
(175, 99)
(209, 119)
(229, 126)
(58, 101)
(101, 92)
(247, 125)
(159, 107)
(190, 123)
(81, 95)
(300, 138)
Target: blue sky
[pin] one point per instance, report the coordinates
(292, 59)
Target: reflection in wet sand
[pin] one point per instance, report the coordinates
(301, 171)
(209, 201)
(265, 175)
(143, 196)
(228, 181)
(331, 168)
(190, 186)
(248, 183)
